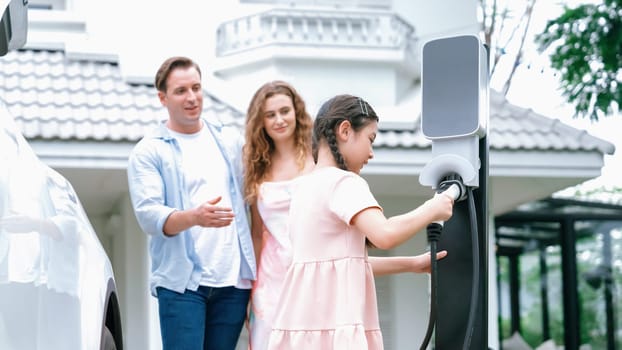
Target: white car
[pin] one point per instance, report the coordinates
(57, 289)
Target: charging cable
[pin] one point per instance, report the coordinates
(453, 186)
(475, 282)
(434, 231)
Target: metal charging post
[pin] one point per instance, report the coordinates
(455, 117)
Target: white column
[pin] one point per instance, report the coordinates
(131, 264)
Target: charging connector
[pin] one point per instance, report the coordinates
(453, 185)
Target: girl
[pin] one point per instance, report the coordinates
(328, 298)
(277, 151)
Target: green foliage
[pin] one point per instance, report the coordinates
(587, 52)
(592, 303)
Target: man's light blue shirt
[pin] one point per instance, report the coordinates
(156, 184)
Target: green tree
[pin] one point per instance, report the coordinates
(585, 46)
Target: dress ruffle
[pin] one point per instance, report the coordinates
(342, 338)
(349, 321)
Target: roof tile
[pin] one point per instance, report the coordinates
(55, 97)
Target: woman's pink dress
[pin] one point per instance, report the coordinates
(273, 205)
(328, 299)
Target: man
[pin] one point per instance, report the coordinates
(185, 183)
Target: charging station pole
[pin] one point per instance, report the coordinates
(455, 118)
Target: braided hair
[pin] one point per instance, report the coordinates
(331, 114)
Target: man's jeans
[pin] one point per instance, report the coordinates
(209, 319)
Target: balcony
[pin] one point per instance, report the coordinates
(318, 29)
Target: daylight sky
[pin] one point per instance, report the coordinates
(535, 86)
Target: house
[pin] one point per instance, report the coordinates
(83, 100)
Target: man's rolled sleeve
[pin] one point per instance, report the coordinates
(147, 193)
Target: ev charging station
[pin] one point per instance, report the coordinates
(455, 111)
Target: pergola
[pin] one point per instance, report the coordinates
(559, 222)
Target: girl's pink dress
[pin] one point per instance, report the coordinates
(273, 205)
(328, 299)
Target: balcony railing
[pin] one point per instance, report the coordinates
(315, 28)
(378, 4)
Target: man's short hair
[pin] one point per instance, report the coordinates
(168, 66)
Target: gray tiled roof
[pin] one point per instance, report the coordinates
(512, 128)
(53, 97)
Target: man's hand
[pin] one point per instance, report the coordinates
(209, 214)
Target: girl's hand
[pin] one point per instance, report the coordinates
(421, 263)
(442, 205)
(387, 265)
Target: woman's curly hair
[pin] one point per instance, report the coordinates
(259, 146)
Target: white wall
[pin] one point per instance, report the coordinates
(408, 293)
(376, 82)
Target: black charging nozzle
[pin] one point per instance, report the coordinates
(453, 185)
